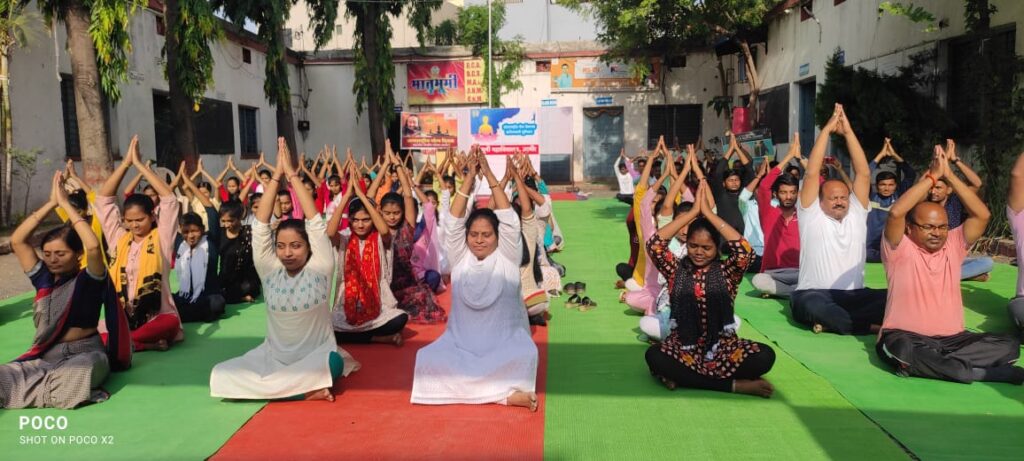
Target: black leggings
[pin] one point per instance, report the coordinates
(393, 326)
(665, 366)
(207, 308)
(237, 290)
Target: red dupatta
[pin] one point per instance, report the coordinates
(362, 280)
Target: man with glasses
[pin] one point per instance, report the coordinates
(923, 331)
(830, 293)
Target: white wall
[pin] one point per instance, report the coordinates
(402, 34)
(36, 104)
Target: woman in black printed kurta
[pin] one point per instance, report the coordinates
(702, 350)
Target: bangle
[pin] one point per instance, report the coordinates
(929, 176)
(494, 185)
(461, 193)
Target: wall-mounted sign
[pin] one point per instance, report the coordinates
(505, 130)
(548, 102)
(604, 100)
(804, 69)
(429, 130)
(445, 82)
(568, 74)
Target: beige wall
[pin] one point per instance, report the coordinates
(402, 34)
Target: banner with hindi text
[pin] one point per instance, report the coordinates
(445, 82)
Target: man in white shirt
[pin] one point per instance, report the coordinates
(830, 295)
(625, 179)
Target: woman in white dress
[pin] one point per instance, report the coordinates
(299, 359)
(486, 354)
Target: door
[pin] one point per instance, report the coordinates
(806, 130)
(602, 140)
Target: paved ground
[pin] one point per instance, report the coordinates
(12, 279)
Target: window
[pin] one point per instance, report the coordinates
(964, 98)
(806, 9)
(742, 63)
(543, 66)
(247, 132)
(213, 125)
(680, 124)
(246, 55)
(161, 27)
(67, 103)
(773, 105)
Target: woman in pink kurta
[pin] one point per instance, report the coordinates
(142, 270)
(644, 300)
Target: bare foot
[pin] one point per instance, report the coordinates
(247, 298)
(759, 387)
(524, 399)
(817, 328)
(619, 284)
(395, 339)
(160, 345)
(320, 394)
(873, 328)
(669, 384)
(981, 278)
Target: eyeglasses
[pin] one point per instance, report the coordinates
(930, 228)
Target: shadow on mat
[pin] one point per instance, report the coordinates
(991, 305)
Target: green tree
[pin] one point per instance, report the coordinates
(472, 28)
(191, 26)
(469, 29)
(638, 29)
(374, 66)
(16, 30)
(98, 43)
(881, 106)
(270, 17)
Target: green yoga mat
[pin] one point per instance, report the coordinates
(935, 420)
(602, 402)
(160, 409)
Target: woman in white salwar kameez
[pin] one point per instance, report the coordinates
(486, 354)
(299, 359)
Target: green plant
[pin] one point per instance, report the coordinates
(26, 162)
(915, 14)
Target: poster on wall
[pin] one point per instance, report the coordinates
(429, 130)
(758, 143)
(582, 74)
(445, 82)
(505, 130)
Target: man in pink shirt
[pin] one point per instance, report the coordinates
(923, 330)
(1015, 212)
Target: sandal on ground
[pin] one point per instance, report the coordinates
(581, 288)
(572, 302)
(587, 304)
(569, 288)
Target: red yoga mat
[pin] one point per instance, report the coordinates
(372, 418)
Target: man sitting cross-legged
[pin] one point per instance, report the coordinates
(780, 259)
(830, 295)
(923, 331)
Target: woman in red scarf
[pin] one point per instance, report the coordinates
(365, 310)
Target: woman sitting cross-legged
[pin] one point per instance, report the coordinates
(299, 359)
(364, 308)
(702, 350)
(67, 362)
(141, 242)
(486, 354)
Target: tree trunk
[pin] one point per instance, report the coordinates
(92, 130)
(374, 111)
(725, 88)
(8, 137)
(753, 81)
(183, 133)
(285, 117)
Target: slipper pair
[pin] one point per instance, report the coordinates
(576, 288)
(583, 304)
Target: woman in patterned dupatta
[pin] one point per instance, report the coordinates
(364, 311)
(702, 350)
(67, 362)
(141, 242)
